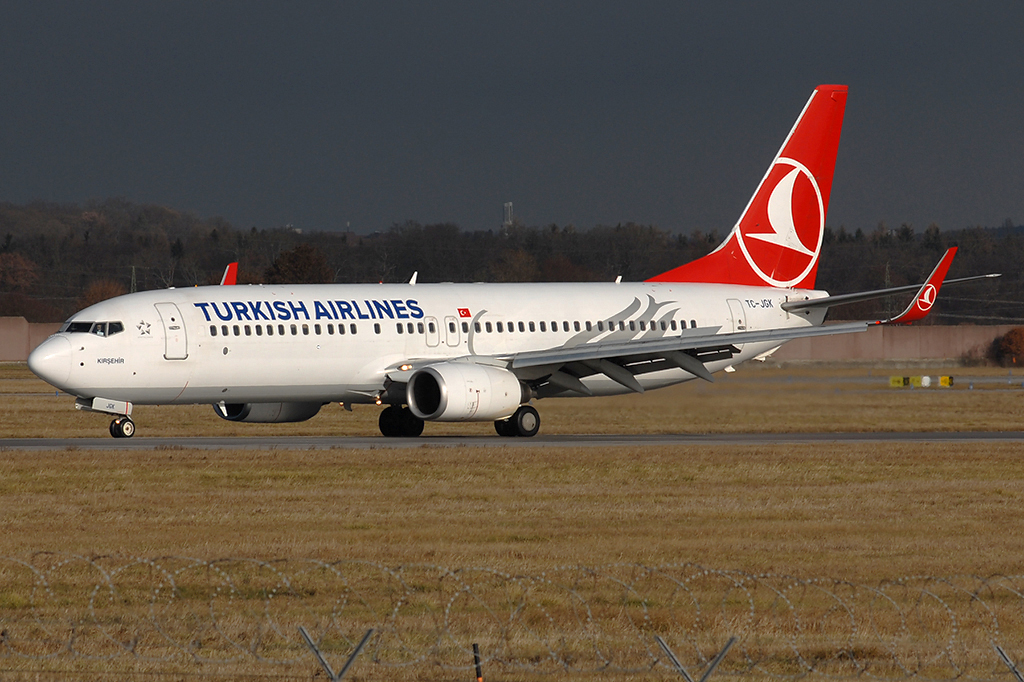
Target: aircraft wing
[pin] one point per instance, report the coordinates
(699, 340)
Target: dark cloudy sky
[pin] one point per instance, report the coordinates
(321, 114)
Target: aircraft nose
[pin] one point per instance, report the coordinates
(51, 361)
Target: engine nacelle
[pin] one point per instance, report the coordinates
(267, 413)
(463, 391)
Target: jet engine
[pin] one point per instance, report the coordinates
(463, 391)
(266, 413)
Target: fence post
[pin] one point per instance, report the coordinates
(1009, 663)
(323, 661)
(711, 666)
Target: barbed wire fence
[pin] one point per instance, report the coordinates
(574, 619)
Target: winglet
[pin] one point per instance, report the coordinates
(926, 295)
(230, 274)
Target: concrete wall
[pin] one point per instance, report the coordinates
(18, 337)
(896, 343)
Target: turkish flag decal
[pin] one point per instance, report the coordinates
(464, 312)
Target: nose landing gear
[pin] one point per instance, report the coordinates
(122, 427)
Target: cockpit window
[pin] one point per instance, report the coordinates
(74, 327)
(97, 328)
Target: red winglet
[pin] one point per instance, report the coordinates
(230, 274)
(926, 296)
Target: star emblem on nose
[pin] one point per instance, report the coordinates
(143, 328)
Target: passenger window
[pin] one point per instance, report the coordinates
(341, 330)
(316, 329)
(488, 327)
(554, 326)
(622, 326)
(543, 326)
(330, 330)
(409, 328)
(476, 327)
(305, 330)
(600, 325)
(532, 327)
(500, 327)
(588, 325)
(576, 325)
(248, 330)
(632, 326)
(280, 329)
(511, 327)
(431, 328)
(673, 325)
(693, 324)
(259, 330)
(376, 327)
(399, 327)
(451, 327)
(643, 326)
(565, 326)
(419, 327)
(224, 330)
(295, 330)
(213, 330)
(270, 330)
(236, 330)
(352, 328)
(465, 327)
(114, 328)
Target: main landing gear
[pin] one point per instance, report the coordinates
(399, 422)
(524, 423)
(122, 427)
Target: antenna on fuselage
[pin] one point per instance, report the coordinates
(412, 280)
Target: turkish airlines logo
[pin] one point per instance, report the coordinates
(927, 298)
(780, 233)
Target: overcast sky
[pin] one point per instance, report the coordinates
(326, 114)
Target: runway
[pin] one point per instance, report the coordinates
(564, 441)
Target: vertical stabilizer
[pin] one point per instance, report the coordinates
(777, 240)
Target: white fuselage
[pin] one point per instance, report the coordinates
(212, 344)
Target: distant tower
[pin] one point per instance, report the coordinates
(508, 215)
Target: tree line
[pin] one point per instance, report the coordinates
(57, 258)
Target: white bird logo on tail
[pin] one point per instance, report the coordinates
(780, 217)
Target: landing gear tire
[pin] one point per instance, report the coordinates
(399, 422)
(505, 428)
(122, 427)
(525, 423)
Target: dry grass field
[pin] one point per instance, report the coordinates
(858, 512)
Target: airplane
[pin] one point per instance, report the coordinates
(477, 352)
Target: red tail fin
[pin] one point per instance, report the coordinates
(777, 240)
